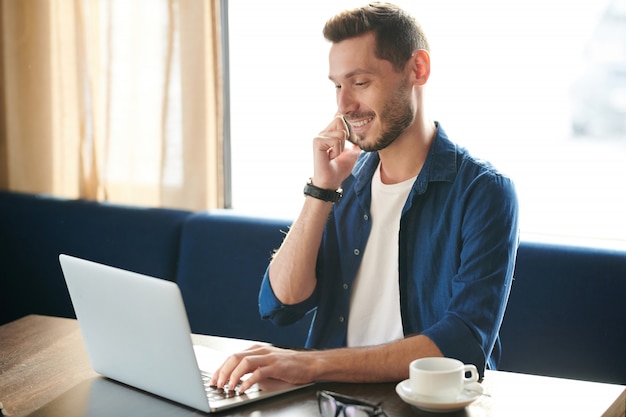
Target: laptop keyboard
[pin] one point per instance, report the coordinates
(217, 394)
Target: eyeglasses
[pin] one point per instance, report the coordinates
(332, 404)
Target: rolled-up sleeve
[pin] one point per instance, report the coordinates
(271, 308)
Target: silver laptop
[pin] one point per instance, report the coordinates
(136, 332)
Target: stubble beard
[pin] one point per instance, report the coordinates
(396, 116)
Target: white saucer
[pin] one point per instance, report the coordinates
(469, 395)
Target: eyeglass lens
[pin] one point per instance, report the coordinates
(330, 407)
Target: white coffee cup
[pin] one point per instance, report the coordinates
(440, 379)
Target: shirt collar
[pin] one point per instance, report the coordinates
(440, 164)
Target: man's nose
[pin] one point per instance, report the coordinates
(346, 102)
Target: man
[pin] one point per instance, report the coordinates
(416, 258)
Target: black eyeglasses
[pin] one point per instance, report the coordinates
(332, 404)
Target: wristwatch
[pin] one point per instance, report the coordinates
(322, 193)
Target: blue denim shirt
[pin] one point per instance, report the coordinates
(458, 241)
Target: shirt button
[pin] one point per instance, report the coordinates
(366, 217)
(345, 286)
(357, 252)
(341, 319)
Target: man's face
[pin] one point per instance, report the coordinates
(374, 99)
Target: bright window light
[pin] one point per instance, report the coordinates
(537, 87)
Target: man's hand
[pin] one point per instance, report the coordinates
(381, 363)
(333, 156)
(262, 362)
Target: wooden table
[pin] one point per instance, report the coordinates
(45, 372)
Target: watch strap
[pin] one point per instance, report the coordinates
(322, 193)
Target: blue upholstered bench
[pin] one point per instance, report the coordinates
(223, 257)
(566, 315)
(35, 229)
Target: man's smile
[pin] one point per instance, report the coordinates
(360, 123)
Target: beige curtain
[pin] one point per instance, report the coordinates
(112, 100)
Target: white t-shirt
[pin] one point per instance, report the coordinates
(375, 304)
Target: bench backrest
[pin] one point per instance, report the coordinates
(222, 261)
(566, 315)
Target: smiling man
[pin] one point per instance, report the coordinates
(405, 245)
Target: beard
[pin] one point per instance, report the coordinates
(397, 114)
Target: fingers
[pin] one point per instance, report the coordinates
(337, 129)
(253, 378)
(332, 139)
(254, 365)
(224, 374)
(245, 367)
(329, 148)
(338, 124)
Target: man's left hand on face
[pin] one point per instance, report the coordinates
(262, 362)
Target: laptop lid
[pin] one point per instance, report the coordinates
(136, 331)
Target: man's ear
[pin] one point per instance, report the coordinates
(420, 66)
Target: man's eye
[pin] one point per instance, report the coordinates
(360, 83)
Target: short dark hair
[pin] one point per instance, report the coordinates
(397, 33)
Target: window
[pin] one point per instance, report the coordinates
(538, 87)
(113, 100)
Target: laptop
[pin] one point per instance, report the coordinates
(136, 332)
